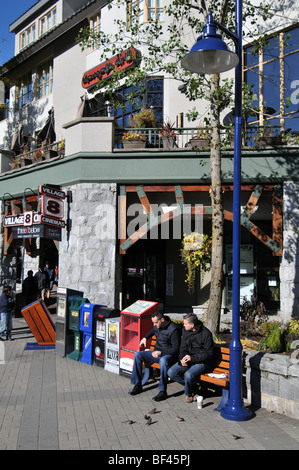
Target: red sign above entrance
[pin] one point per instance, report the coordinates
(101, 73)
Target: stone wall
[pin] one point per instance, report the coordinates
(272, 382)
(87, 252)
(289, 268)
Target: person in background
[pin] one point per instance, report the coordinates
(56, 273)
(29, 288)
(6, 308)
(41, 278)
(50, 279)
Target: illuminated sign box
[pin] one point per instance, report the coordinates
(103, 72)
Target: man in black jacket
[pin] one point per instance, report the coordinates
(166, 353)
(195, 356)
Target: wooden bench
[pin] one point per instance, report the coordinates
(221, 366)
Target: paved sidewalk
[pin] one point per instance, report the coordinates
(48, 402)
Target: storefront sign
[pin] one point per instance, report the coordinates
(103, 72)
(52, 207)
(36, 231)
(48, 191)
(21, 219)
(45, 224)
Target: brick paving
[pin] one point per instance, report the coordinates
(53, 403)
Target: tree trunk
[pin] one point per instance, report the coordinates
(213, 315)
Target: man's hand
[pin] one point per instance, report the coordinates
(142, 342)
(156, 354)
(185, 359)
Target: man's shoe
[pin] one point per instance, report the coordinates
(137, 389)
(162, 395)
(189, 399)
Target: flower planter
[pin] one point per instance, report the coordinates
(50, 154)
(168, 142)
(269, 141)
(25, 161)
(133, 144)
(199, 143)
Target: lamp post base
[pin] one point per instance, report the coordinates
(235, 413)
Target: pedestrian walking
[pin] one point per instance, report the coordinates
(6, 308)
(41, 278)
(50, 279)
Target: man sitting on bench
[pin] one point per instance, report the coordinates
(195, 356)
(165, 353)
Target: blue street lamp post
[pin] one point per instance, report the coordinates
(208, 56)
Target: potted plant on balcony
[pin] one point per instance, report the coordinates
(202, 137)
(38, 155)
(134, 140)
(168, 135)
(144, 119)
(268, 137)
(61, 148)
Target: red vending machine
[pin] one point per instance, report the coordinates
(136, 322)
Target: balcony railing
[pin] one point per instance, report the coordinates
(38, 154)
(251, 137)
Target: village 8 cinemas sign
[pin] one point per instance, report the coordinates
(45, 224)
(101, 73)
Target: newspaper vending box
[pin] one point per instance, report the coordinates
(135, 324)
(112, 334)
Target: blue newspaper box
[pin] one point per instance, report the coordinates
(86, 326)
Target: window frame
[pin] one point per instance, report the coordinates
(95, 26)
(134, 13)
(53, 21)
(259, 66)
(42, 70)
(24, 35)
(24, 91)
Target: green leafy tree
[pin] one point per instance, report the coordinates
(162, 53)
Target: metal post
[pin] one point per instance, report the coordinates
(235, 410)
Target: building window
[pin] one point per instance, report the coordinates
(45, 79)
(143, 11)
(273, 73)
(95, 26)
(132, 103)
(27, 36)
(24, 91)
(152, 98)
(47, 21)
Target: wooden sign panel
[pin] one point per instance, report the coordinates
(40, 323)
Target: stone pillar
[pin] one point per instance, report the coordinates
(289, 268)
(87, 252)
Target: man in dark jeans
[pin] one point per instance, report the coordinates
(195, 356)
(166, 353)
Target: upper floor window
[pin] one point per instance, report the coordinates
(45, 79)
(47, 21)
(95, 26)
(273, 73)
(27, 36)
(24, 91)
(143, 11)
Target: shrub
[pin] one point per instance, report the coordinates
(253, 314)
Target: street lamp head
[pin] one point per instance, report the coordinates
(210, 54)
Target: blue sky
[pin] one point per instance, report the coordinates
(10, 11)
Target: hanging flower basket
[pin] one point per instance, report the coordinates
(196, 254)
